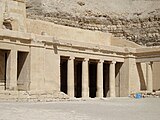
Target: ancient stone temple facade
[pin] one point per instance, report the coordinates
(41, 56)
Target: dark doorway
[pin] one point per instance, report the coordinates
(63, 74)
(78, 78)
(105, 79)
(23, 81)
(92, 79)
(3, 69)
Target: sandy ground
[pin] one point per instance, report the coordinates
(109, 109)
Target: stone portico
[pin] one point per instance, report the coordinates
(42, 56)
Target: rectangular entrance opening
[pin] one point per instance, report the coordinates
(23, 81)
(3, 69)
(92, 79)
(63, 74)
(105, 79)
(78, 78)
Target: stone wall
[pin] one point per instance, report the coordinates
(68, 33)
(13, 15)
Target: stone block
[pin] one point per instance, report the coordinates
(158, 93)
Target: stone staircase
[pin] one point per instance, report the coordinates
(32, 96)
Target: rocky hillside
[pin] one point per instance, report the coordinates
(135, 20)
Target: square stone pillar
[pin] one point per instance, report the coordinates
(112, 79)
(149, 77)
(2, 9)
(70, 77)
(12, 70)
(99, 92)
(85, 79)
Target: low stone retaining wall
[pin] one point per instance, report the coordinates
(32, 96)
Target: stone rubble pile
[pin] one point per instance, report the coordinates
(146, 94)
(32, 96)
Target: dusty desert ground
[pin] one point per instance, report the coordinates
(109, 109)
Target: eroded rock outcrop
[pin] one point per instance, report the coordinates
(135, 20)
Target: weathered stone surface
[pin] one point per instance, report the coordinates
(158, 93)
(135, 20)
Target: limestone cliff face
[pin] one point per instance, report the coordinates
(135, 20)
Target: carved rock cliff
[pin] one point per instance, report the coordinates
(135, 20)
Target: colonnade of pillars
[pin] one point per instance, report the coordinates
(12, 62)
(85, 78)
